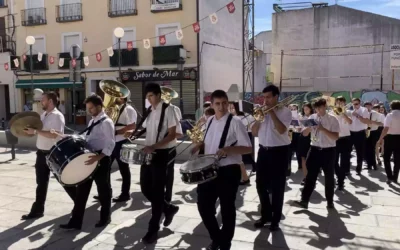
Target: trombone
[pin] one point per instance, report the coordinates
(260, 112)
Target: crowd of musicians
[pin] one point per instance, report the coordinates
(228, 133)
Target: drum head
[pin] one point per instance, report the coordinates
(198, 164)
(132, 146)
(76, 171)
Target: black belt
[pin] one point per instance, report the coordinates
(44, 151)
(322, 149)
(358, 131)
(273, 148)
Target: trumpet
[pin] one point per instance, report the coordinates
(260, 112)
(338, 110)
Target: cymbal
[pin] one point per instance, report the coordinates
(22, 114)
(18, 126)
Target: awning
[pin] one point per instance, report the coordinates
(54, 83)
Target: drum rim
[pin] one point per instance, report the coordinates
(199, 170)
(200, 182)
(133, 162)
(84, 180)
(61, 142)
(128, 143)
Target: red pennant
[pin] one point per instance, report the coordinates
(51, 59)
(162, 39)
(129, 45)
(231, 7)
(6, 67)
(24, 57)
(98, 57)
(196, 27)
(73, 62)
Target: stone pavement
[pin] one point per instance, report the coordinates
(367, 216)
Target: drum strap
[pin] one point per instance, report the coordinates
(134, 135)
(225, 132)
(89, 129)
(164, 107)
(119, 115)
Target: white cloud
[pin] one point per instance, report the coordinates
(393, 3)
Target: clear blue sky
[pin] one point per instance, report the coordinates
(264, 9)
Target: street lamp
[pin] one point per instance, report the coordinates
(181, 62)
(119, 33)
(30, 40)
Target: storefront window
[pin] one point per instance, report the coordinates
(28, 97)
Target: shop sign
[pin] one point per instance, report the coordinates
(158, 75)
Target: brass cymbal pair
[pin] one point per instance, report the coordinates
(24, 120)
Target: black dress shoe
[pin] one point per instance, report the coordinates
(169, 215)
(389, 181)
(330, 206)
(150, 238)
(70, 226)
(261, 223)
(341, 187)
(247, 182)
(121, 198)
(300, 204)
(213, 246)
(31, 216)
(102, 223)
(96, 197)
(274, 227)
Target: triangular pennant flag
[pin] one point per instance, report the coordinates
(6, 66)
(214, 18)
(98, 57)
(24, 57)
(129, 45)
(86, 61)
(146, 43)
(196, 27)
(51, 59)
(61, 62)
(179, 34)
(110, 51)
(16, 62)
(231, 7)
(40, 56)
(162, 39)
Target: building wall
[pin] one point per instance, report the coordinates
(7, 78)
(263, 43)
(334, 26)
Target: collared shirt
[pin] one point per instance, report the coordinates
(247, 121)
(330, 123)
(269, 136)
(178, 115)
(102, 136)
(128, 116)
(344, 125)
(151, 125)
(392, 121)
(357, 125)
(376, 117)
(51, 120)
(237, 132)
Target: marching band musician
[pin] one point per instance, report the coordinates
(376, 120)
(391, 135)
(160, 126)
(360, 118)
(227, 137)
(343, 144)
(379, 147)
(127, 120)
(272, 162)
(322, 154)
(304, 141)
(295, 134)
(52, 119)
(100, 138)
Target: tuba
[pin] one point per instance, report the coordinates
(167, 94)
(113, 90)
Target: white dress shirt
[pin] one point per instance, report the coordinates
(330, 123)
(128, 116)
(237, 132)
(268, 135)
(344, 125)
(102, 136)
(152, 121)
(376, 117)
(178, 115)
(357, 125)
(392, 121)
(247, 121)
(51, 120)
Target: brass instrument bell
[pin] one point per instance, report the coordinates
(167, 94)
(260, 112)
(113, 90)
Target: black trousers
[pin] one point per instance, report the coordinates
(358, 139)
(320, 158)
(153, 180)
(42, 180)
(343, 156)
(392, 147)
(170, 177)
(370, 148)
(271, 175)
(81, 193)
(294, 149)
(224, 187)
(249, 159)
(123, 168)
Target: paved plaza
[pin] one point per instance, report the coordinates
(367, 215)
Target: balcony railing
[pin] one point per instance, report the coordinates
(69, 12)
(128, 58)
(165, 5)
(42, 65)
(166, 54)
(121, 8)
(31, 17)
(3, 4)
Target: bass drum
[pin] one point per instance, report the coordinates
(67, 161)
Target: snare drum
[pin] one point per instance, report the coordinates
(199, 170)
(133, 154)
(67, 161)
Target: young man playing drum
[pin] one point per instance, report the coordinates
(160, 126)
(52, 120)
(227, 138)
(100, 139)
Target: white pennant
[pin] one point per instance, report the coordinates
(110, 51)
(16, 62)
(214, 18)
(61, 62)
(146, 43)
(86, 60)
(179, 34)
(40, 56)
